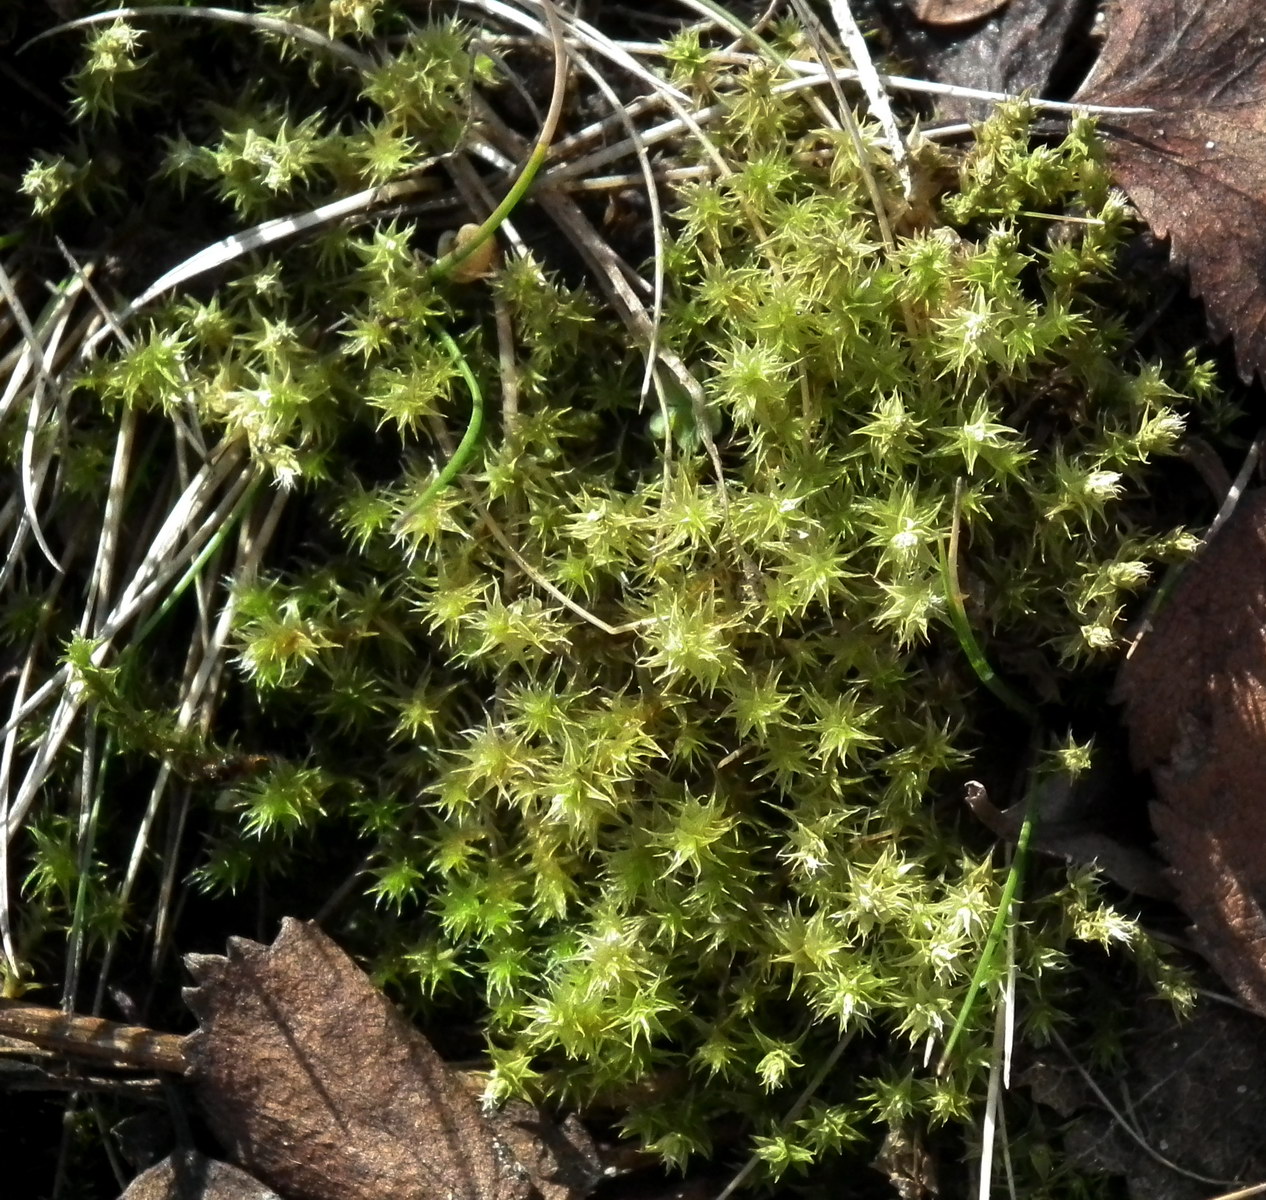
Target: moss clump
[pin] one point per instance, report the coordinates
(682, 828)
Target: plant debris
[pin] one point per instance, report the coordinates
(315, 1083)
(1172, 1073)
(954, 12)
(1072, 822)
(1195, 705)
(191, 1176)
(1015, 50)
(1196, 165)
(91, 1038)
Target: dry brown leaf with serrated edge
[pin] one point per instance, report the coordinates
(1195, 705)
(1196, 166)
(318, 1086)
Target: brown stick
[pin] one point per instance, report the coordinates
(93, 1038)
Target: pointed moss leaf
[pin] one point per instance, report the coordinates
(1196, 165)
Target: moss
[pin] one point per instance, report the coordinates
(703, 848)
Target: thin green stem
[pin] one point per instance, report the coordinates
(962, 627)
(535, 160)
(1010, 893)
(470, 439)
(195, 567)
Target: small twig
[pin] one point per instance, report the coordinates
(93, 1038)
(855, 43)
(819, 1077)
(1134, 1135)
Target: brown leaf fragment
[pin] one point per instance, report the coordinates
(1069, 823)
(1015, 49)
(190, 1176)
(1196, 165)
(560, 1159)
(953, 12)
(1195, 706)
(318, 1086)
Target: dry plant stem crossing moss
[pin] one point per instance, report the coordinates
(228, 16)
(861, 60)
(535, 160)
(855, 44)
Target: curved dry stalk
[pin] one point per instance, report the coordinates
(876, 95)
(194, 519)
(585, 33)
(228, 16)
(41, 346)
(266, 233)
(647, 178)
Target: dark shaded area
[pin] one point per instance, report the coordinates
(1194, 1090)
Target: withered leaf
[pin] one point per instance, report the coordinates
(1195, 705)
(1071, 821)
(560, 1159)
(1015, 50)
(320, 1088)
(190, 1176)
(1196, 165)
(953, 12)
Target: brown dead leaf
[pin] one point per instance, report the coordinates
(1015, 50)
(953, 12)
(1195, 705)
(559, 1159)
(318, 1086)
(1196, 165)
(1072, 821)
(190, 1176)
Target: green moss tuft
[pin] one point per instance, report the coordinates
(704, 847)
